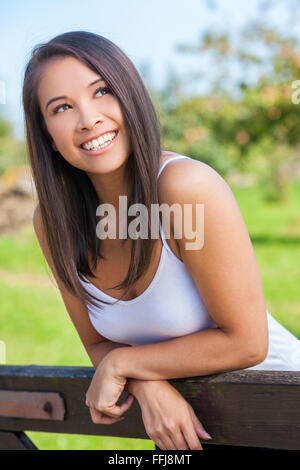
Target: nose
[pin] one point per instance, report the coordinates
(89, 120)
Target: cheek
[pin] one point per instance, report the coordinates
(114, 111)
(60, 133)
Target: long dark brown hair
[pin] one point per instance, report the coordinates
(66, 196)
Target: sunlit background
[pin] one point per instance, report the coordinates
(221, 76)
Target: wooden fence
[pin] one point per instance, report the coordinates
(241, 409)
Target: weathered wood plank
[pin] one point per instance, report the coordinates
(39, 405)
(72, 384)
(241, 408)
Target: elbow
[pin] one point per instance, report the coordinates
(252, 347)
(255, 358)
(249, 352)
(256, 354)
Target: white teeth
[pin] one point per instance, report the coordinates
(102, 141)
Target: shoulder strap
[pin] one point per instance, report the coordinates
(169, 160)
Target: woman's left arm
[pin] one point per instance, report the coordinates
(226, 274)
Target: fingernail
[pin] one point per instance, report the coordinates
(206, 435)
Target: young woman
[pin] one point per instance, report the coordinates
(146, 309)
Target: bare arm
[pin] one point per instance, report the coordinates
(98, 351)
(226, 274)
(96, 346)
(205, 352)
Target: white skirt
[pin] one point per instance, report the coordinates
(284, 349)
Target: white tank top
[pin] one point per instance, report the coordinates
(171, 306)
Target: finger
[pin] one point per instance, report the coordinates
(164, 443)
(191, 438)
(168, 442)
(115, 411)
(101, 418)
(127, 403)
(159, 443)
(179, 441)
(199, 428)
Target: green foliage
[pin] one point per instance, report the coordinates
(256, 132)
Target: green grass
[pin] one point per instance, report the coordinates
(53, 441)
(274, 230)
(37, 330)
(21, 252)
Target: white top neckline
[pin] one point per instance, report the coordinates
(161, 260)
(143, 294)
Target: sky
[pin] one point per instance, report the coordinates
(146, 30)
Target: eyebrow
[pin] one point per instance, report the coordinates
(65, 97)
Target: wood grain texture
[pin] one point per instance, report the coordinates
(259, 409)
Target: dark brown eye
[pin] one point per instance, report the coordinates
(102, 89)
(56, 110)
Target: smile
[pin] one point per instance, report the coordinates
(101, 142)
(99, 149)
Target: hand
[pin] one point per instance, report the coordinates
(100, 418)
(168, 418)
(104, 392)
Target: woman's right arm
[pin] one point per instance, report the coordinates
(96, 345)
(158, 399)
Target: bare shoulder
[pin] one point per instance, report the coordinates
(190, 182)
(219, 254)
(189, 175)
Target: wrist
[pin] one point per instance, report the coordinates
(133, 386)
(138, 387)
(116, 360)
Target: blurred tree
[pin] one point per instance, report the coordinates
(250, 125)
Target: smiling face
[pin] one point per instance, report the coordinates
(84, 110)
